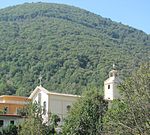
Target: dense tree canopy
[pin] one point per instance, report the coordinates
(85, 117)
(71, 48)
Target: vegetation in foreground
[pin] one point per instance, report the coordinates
(127, 116)
(91, 116)
(131, 114)
(85, 118)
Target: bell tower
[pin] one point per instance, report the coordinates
(110, 85)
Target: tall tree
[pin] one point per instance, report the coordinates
(85, 117)
(131, 115)
(33, 124)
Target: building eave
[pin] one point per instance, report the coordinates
(40, 88)
(11, 115)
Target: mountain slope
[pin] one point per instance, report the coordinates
(70, 47)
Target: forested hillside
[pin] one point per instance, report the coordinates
(71, 48)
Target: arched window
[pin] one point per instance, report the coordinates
(68, 108)
(44, 107)
(39, 98)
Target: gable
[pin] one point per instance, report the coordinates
(37, 90)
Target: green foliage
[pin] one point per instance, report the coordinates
(85, 117)
(54, 119)
(130, 116)
(33, 123)
(71, 48)
(10, 130)
(23, 111)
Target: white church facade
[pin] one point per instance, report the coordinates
(53, 103)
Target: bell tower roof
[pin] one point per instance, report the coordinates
(113, 72)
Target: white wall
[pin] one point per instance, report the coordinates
(44, 98)
(55, 103)
(58, 104)
(108, 93)
(112, 93)
(116, 91)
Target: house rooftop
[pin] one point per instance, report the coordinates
(10, 115)
(13, 96)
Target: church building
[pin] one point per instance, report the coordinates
(53, 103)
(110, 85)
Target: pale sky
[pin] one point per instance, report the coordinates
(135, 13)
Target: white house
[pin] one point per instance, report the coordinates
(53, 103)
(8, 119)
(110, 85)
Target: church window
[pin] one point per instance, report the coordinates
(108, 86)
(44, 107)
(39, 98)
(68, 108)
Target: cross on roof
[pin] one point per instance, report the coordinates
(114, 66)
(40, 78)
